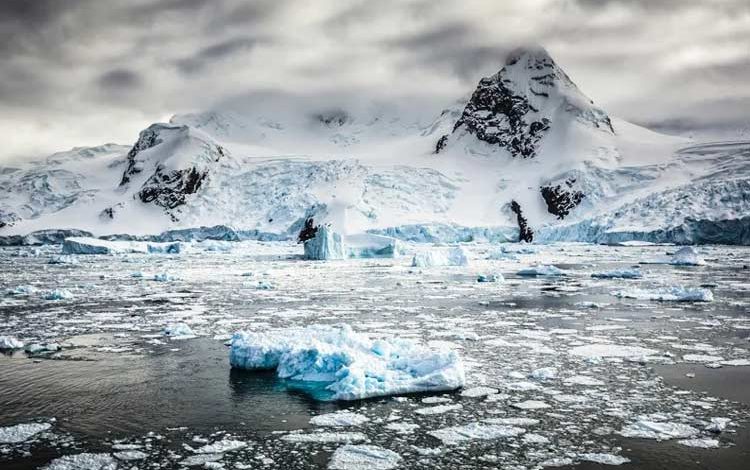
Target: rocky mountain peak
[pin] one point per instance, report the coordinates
(518, 106)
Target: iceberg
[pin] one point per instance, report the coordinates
(490, 278)
(179, 330)
(335, 363)
(675, 293)
(687, 256)
(96, 246)
(455, 256)
(325, 245)
(10, 342)
(542, 270)
(618, 274)
(58, 294)
(369, 245)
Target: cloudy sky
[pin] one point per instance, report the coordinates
(85, 72)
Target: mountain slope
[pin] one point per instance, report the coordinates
(528, 154)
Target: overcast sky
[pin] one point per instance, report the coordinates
(86, 72)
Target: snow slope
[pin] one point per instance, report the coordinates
(527, 152)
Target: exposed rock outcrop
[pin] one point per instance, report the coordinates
(525, 233)
(561, 198)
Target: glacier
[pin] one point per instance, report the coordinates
(335, 363)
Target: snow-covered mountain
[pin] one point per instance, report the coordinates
(528, 154)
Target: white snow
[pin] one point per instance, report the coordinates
(326, 245)
(475, 431)
(10, 342)
(21, 432)
(350, 365)
(363, 456)
(455, 256)
(338, 419)
(674, 293)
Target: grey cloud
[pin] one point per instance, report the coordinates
(214, 52)
(120, 79)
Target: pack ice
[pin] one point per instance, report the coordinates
(335, 363)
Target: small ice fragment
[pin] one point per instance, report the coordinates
(58, 294)
(542, 270)
(84, 461)
(703, 443)
(21, 432)
(358, 457)
(475, 431)
(325, 437)
(687, 256)
(544, 373)
(530, 405)
(10, 342)
(438, 409)
(604, 459)
(478, 392)
(338, 419)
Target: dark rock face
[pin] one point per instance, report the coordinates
(526, 234)
(514, 109)
(441, 143)
(308, 232)
(146, 139)
(333, 118)
(169, 189)
(8, 219)
(561, 198)
(496, 115)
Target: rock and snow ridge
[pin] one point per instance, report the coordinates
(529, 156)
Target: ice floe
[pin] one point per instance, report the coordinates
(475, 431)
(58, 294)
(21, 432)
(325, 437)
(612, 350)
(687, 256)
(542, 270)
(339, 419)
(604, 459)
(179, 330)
(10, 342)
(84, 461)
(363, 456)
(347, 365)
(675, 293)
(661, 430)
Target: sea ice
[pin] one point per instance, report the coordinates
(618, 274)
(339, 419)
(704, 443)
(220, 447)
(340, 364)
(325, 245)
(490, 278)
(438, 409)
(675, 293)
(542, 270)
(649, 429)
(530, 405)
(85, 461)
(21, 432)
(363, 456)
(544, 373)
(10, 342)
(325, 437)
(369, 245)
(455, 256)
(604, 459)
(475, 431)
(612, 350)
(478, 392)
(128, 455)
(687, 256)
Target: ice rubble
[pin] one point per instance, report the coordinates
(542, 270)
(96, 246)
(21, 432)
(687, 256)
(84, 461)
(674, 293)
(455, 256)
(325, 245)
(339, 364)
(10, 342)
(357, 457)
(179, 330)
(58, 294)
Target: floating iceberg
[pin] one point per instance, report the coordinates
(96, 246)
(369, 245)
(455, 256)
(325, 245)
(675, 293)
(490, 278)
(618, 274)
(687, 256)
(58, 294)
(22, 290)
(542, 270)
(63, 259)
(10, 342)
(335, 363)
(179, 330)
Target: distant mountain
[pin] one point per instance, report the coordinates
(526, 156)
